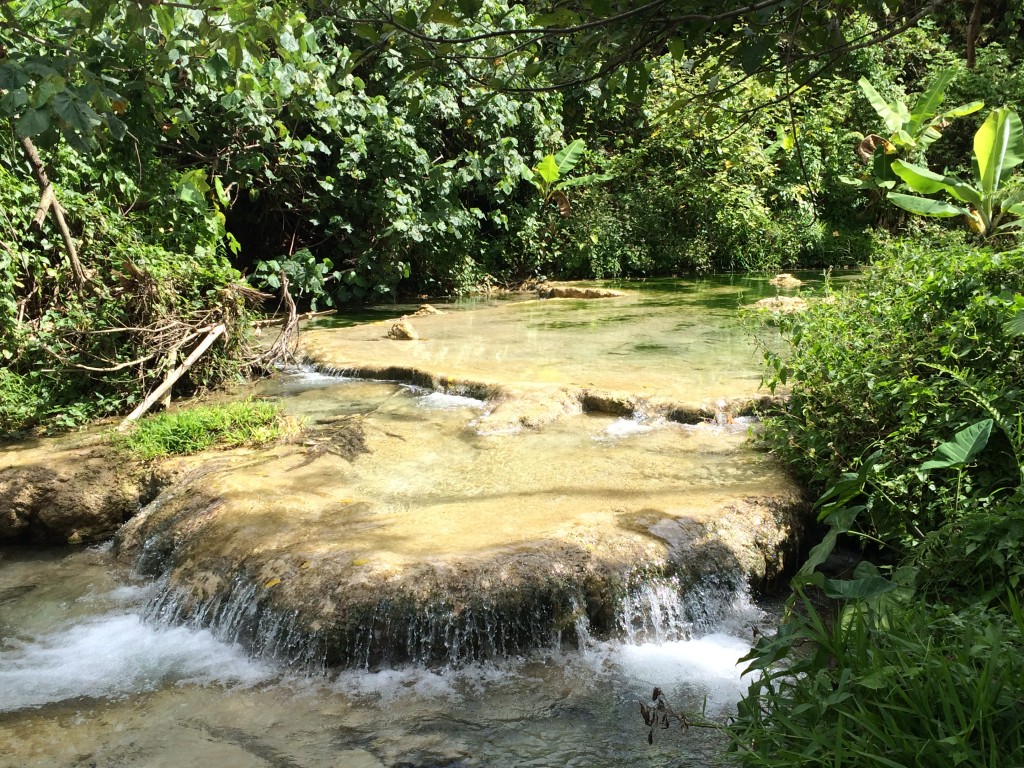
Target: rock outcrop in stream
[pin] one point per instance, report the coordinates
(302, 561)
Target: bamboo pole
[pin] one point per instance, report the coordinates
(172, 377)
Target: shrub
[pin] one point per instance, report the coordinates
(902, 361)
(904, 684)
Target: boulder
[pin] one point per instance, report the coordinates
(59, 491)
(403, 331)
(786, 281)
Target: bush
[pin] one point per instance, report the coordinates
(915, 352)
(72, 354)
(906, 684)
(191, 430)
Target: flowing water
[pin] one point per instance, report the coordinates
(84, 681)
(94, 673)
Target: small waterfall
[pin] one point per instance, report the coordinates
(441, 632)
(240, 616)
(393, 631)
(663, 609)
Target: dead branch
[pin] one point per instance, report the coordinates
(49, 202)
(172, 377)
(284, 348)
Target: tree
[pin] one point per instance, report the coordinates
(570, 44)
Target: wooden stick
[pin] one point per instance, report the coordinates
(44, 207)
(49, 202)
(172, 377)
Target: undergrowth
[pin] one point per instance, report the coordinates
(191, 430)
(906, 407)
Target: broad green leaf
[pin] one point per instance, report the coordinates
(927, 103)
(13, 101)
(922, 180)
(839, 523)
(857, 589)
(569, 156)
(75, 113)
(998, 148)
(963, 109)
(547, 169)
(1015, 327)
(32, 123)
(441, 16)
(885, 111)
(965, 445)
(926, 206)
(590, 178)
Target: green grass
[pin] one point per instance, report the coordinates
(191, 430)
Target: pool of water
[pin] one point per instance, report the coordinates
(680, 340)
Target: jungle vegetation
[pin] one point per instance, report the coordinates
(168, 169)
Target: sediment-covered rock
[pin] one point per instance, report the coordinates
(784, 304)
(557, 291)
(318, 561)
(70, 490)
(786, 281)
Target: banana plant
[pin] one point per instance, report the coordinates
(912, 130)
(998, 149)
(549, 175)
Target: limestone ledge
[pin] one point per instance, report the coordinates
(309, 593)
(509, 408)
(73, 489)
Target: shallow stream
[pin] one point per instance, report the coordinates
(92, 675)
(85, 681)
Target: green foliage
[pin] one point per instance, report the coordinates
(198, 428)
(699, 188)
(72, 354)
(906, 400)
(911, 131)
(880, 369)
(998, 150)
(901, 683)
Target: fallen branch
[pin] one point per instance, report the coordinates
(49, 202)
(157, 394)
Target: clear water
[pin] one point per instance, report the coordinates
(84, 681)
(683, 341)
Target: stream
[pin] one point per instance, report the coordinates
(101, 666)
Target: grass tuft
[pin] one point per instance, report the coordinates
(191, 430)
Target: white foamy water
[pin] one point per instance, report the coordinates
(709, 663)
(445, 402)
(116, 655)
(626, 427)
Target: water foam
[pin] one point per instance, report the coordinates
(441, 401)
(117, 655)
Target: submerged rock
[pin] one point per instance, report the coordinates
(555, 291)
(784, 304)
(427, 309)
